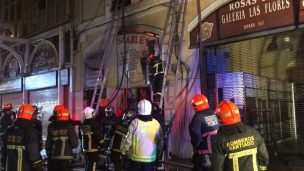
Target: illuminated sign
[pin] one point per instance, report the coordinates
(248, 16)
(41, 81)
(64, 77)
(11, 86)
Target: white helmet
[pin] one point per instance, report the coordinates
(89, 112)
(144, 107)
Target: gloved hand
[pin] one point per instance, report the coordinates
(38, 166)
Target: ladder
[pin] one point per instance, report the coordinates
(172, 44)
(172, 38)
(107, 43)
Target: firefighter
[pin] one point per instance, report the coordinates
(7, 117)
(37, 124)
(144, 139)
(156, 68)
(20, 151)
(238, 146)
(90, 136)
(61, 139)
(107, 127)
(203, 128)
(120, 131)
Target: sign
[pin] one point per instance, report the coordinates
(137, 55)
(209, 31)
(90, 78)
(248, 16)
(64, 77)
(11, 86)
(41, 81)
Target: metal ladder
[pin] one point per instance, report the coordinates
(171, 43)
(107, 45)
(172, 38)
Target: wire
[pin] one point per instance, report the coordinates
(138, 12)
(95, 15)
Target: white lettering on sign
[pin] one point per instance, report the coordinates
(246, 9)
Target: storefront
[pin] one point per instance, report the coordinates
(253, 57)
(45, 85)
(129, 80)
(11, 84)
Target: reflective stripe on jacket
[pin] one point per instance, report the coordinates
(239, 148)
(142, 140)
(203, 128)
(20, 148)
(61, 139)
(90, 135)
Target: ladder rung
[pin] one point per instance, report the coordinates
(176, 23)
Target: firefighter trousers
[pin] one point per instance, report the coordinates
(142, 166)
(91, 161)
(62, 165)
(201, 162)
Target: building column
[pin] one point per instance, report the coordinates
(60, 64)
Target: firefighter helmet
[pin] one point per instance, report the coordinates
(89, 112)
(7, 106)
(26, 111)
(200, 102)
(63, 115)
(144, 107)
(109, 111)
(228, 113)
(57, 109)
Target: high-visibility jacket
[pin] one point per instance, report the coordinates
(20, 150)
(143, 140)
(61, 139)
(203, 128)
(239, 148)
(90, 135)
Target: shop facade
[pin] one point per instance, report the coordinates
(252, 56)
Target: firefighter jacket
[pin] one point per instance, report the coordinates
(239, 148)
(120, 132)
(144, 139)
(61, 139)
(203, 128)
(90, 135)
(156, 66)
(20, 151)
(6, 120)
(107, 130)
(38, 126)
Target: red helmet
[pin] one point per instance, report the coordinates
(228, 113)
(63, 115)
(200, 102)
(58, 108)
(26, 111)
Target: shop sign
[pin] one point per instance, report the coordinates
(248, 16)
(64, 77)
(11, 86)
(41, 81)
(209, 31)
(136, 58)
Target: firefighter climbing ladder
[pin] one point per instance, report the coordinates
(107, 43)
(172, 41)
